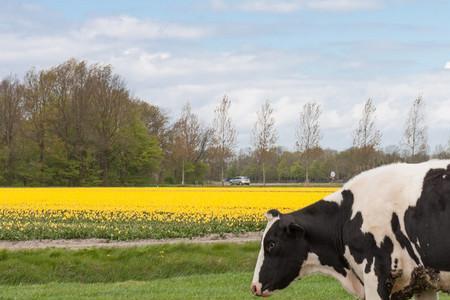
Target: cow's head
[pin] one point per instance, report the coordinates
(283, 251)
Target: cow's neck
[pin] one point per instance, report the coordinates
(323, 224)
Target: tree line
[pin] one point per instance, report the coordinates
(77, 124)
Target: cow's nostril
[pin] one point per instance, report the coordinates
(256, 289)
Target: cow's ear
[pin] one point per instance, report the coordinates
(297, 229)
(447, 173)
(273, 213)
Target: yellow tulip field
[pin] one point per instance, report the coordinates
(136, 213)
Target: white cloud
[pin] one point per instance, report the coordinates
(447, 65)
(169, 78)
(287, 6)
(270, 6)
(343, 5)
(126, 27)
(341, 100)
(100, 40)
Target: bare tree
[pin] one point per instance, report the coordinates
(264, 134)
(70, 114)
(110, 106)
(415, 135)
(224, 134)
(38, 94)
(308, 133)
(190, 139)
(441, 152)
(367, 135)
(11, 118)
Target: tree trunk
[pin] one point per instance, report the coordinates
(221, 175)
(264, 173)
(105, 167)
(307, 173)
(182, 173)
(41, 161)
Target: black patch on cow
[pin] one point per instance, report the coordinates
(402, 238)
(322, 222)
(363, 246)
(284, 253)
(395, 264)
(427, 224)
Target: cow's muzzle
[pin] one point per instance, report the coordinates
(256, 290)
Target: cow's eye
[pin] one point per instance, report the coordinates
(270, 246)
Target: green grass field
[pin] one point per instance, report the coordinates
(122, 264)
(220, 271)
(217, 286)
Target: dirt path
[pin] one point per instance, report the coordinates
(104, 243)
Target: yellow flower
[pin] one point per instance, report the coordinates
(190, 205)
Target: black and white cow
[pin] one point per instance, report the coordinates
(384, 235)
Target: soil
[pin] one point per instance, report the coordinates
(105, 243)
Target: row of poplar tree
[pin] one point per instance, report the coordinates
(78, 125)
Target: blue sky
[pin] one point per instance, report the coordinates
(335, 52)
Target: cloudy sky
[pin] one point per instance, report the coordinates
(335, 52)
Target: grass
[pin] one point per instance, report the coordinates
(217, 286)
(114, 265)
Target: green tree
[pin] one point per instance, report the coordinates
(138, 155)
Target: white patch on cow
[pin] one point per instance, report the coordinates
(405, 266)
(260, 261)
(350, 282)
(384, 190)
(335, 197)
(358, 269)
(371, 286)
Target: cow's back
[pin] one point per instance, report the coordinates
(417, 196)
